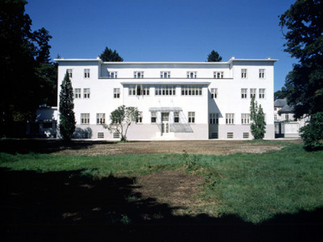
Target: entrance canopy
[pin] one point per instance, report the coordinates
(165, 109)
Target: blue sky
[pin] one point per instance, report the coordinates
(165, 30)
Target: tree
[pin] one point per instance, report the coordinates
(121, 119)
(280, 94)
(214, 57)
(304, 84)
(257, 117)
(21, 53)
(110, 56)
(66, 106)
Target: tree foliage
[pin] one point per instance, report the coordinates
(121, 119)
(304, 84)
(257, 117)
(110, 56)
(66, 110)
(312, 133)
(23, 77)
(214, 57)
(280, 94)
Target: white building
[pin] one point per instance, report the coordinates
(285, 124)
(176, 100)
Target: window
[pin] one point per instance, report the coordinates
(112, 74)
(191, 74)
(253, 92)
(100, 118)
(138, 74)
(191, 117)
(245, 118)
(245, 135)
(85, 118)
(176, 117)
(243, 73)
(244, 93)
(139, 90)
(261, 93)
(116, 92)
(165, 90)
(191, 90)
(275, 117)
(86, 92)
(69, 72)
(214, 92)
(218, 74)
(116, 135)
(230, 135)
(77, 93)
(229, 118)
(100, 135)
(86, 73)
(214, 118)
(214, 135)
(139, 118)
(153, 117)
(286, 117)
(165, 74)
(261, 73)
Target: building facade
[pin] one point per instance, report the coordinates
(176, 100)
(286, 126)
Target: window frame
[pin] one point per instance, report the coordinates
(229, 118)
(244, 73)
(245, 118)
(85, 118)
(116, 93)
(244, 93)
(86, 93)
(214, 93)
(191, 117)
(100, 118)
(87, 72)
(77, 95)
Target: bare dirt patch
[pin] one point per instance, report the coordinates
(172, 187)
(192, 147)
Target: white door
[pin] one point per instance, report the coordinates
(165, 123)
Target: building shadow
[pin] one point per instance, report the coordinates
(71, 206)
(24, 146)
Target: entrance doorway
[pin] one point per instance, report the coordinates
(165, 123)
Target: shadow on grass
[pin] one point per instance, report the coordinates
(66, 206)
(24, 146)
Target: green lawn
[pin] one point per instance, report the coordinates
(253, 186)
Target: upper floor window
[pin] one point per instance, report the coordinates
(261, 73)
(229, 118)
(191, 117)
(100, 118)
(214, 92)
(139, 90)
(138, 74)
(86, 73)
(165, 90)
(253, 92)
(218, 74)
(85, 118)
(191, 74)
(191, 90)
(77, 93)
(70, 73)
(112, 74)
(86, 92)
(176, 117)
(165, 74)
(261, 93)
(244, 93)
(245, 118)
(243, 73)
(116, 92)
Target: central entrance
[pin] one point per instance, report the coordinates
(165, 123)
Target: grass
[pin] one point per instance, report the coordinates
(254, 187)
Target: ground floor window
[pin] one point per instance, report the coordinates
(85, 118)
(191, 117)
(230, 135)
(100, 135)
(229, 118)
(153, 117)
(245, 135)
(176, 117)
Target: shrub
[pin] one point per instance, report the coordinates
(312, 133)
